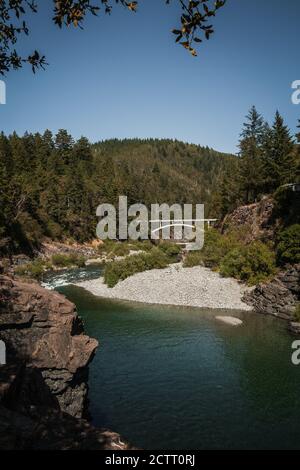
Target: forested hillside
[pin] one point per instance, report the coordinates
(51, 185)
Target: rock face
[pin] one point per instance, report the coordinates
(43, 329)
(279, 296)
(30, 417)
(255, 219)
(43, 386)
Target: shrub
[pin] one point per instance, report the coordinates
(216, 246)
(120, 249)
(288, 245)
(66, 260)
(106, 246)
(193, 258)
(116, 271)
(171, 249)
(53, 230)
(34, 270)
(143, 245)
(251, 263)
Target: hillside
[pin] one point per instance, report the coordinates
(152, 170)
(53, 184)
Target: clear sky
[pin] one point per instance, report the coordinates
(123, 76)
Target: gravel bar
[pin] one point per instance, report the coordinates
(175, 285)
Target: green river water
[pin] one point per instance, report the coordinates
(176, 378)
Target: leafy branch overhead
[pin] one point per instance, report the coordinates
(194, 19)
(194, 24)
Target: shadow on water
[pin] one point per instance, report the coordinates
(176, 378)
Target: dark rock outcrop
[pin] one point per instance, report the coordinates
(42, 329)
(279, 296)
(31, 418)
(43, 386)
(256, 220)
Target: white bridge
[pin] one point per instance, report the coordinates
(191, 223)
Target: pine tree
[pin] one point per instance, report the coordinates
(251, 142)
(279, 155)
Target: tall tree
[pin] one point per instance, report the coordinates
(279, 156)
(250, 145)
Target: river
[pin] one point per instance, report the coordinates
(176, 378)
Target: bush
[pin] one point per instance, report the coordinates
(288, 245)
(62, 260)
(116, 271)
(171, 249)
(120, 249)
(106, 246)
(216, 246)
(251, 263)
(141, 245)
(193, 258)
(33, 270)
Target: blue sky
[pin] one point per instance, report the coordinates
(123, 76)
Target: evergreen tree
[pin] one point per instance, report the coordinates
(250, 145)
(279, 155)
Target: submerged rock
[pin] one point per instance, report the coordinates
(233, 321)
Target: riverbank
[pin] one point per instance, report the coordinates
(175, 285)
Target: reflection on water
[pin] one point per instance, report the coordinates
(176, 378)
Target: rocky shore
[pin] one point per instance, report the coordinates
(175, 285)
(278, 297)
(43, 385)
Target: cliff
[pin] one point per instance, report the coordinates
(43, 386)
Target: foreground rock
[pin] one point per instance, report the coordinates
(31, 418)
(43, 386)
(175, 285)
(43, 327)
